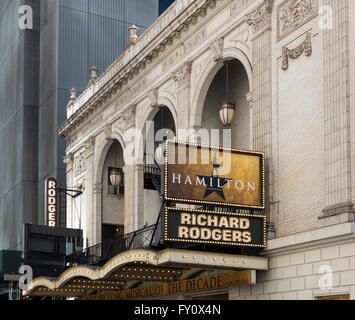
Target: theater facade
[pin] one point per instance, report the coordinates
(216, 158)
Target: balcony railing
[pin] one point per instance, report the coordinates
(97, 255)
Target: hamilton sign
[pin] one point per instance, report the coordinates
(216, 228)
(213, 175)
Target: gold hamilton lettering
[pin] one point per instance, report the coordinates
(188, 180)
(239, 185)
(177, 178)
(251, 186)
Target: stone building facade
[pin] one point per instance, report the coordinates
(292, 74)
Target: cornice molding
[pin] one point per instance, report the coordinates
(148, 47)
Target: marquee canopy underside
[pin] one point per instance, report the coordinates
(130, 268)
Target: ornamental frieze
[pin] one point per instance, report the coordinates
(292, 14)
(184, 48)
(238, 6)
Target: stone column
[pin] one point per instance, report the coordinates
(94, 214)
(182, 78)
(69, 162)
(139, 195)
(130, 208)
(339, 206)
(93, 209)
(260, 21)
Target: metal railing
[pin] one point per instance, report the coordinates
(97, 255)
(150, 166)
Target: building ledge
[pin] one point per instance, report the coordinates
(313, 239)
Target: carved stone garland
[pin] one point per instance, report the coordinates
(305, 46)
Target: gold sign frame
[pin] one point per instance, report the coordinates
(261, 155)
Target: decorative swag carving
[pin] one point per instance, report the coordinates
(305, 46)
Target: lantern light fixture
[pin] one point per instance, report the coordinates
(227, 110)
(116, 177)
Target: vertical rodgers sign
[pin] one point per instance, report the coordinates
(200, 174)
(51, 201)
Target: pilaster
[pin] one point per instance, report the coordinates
(93, 219)
(139, 195)
(339, 206)
(260, 22)
(182, 78)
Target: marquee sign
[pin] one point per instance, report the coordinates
(218, 176)
(205, 284)
(51, 201)
(216, 228)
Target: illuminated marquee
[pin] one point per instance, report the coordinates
(213, 175)
(51, 201)
(209, 227)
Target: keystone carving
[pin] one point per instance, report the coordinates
(153, 97)
(217, 49)
(80, 163)
(108, 132)
(89, 146)
(129, 115)
(182, 77)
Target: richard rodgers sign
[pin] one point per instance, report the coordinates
(213, 175)
(209, 227)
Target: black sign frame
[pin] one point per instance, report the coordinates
(167, 225)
